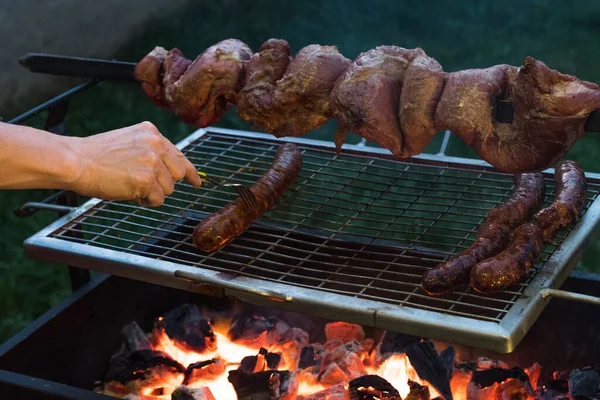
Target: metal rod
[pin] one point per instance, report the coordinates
(121, 70)
(44, 106)
(566, 295)
(29, 208)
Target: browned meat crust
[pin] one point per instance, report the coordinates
(221, 227)
(492, 238)
(507, 267)
(395, 97)
(569, 201)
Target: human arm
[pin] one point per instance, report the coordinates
(131, 163)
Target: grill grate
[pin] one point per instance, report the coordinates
(422, 213)
(364, 226)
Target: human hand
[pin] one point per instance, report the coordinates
(132, 163)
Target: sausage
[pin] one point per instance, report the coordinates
(569, 200)
(492, 238)
(219, 228)
(526, 199)
(507, 268)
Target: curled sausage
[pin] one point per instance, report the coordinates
(219, 228)
(492, 238)
(569, 200)
(507, 268)
(526, 199)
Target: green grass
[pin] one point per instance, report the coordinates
(466, 34)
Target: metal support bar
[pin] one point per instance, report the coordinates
(563, 294)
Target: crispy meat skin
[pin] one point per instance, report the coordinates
(569, 201)
(550, 110)
(366, 98)
(290, 97)
(221, 227)
(507, 268)
(422, 88)
(526, 199)
(393, 96)
(492, 238)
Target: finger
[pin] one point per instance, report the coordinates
(165, 180)
(155, 198)
(182, 167)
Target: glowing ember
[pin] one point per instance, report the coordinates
(295, 368)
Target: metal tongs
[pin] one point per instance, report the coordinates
(244, 192)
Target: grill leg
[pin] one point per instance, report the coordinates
(55, 124)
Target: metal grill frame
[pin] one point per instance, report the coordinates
(501, 337)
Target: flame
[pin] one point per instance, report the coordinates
(396, 369)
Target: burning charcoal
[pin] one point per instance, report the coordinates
(499, 383)
(486, 363)
(488, 377)
(430, 366)
(344, 331)
(137, 364)
(448, 356)
(583, 384)
(251, 329)
(186, 393)
(460, 379)
(417, 392)
(204, 370)
(371, 387)
(138, 397)
(272, 385)
(534, 373)
(261, 362)
(136, 338)
(336, 392)
(352, 365)
(308, 358)
(395, 343)
(187, 326)
(332, 375)
(331, 345)
(295, 334)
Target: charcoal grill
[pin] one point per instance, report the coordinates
(349, 240)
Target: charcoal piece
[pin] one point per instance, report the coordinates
(344, 332)
(583, 384)
(371, 387)
(335, 392)
(490, 376)
(273, 360)
(203, 370)
(332, 374)
(430, 366)
(136, 338)
(248, 327)
(308, 358)
(124, 368)
(448, 356)
(266, 385)
(187, 326)
(417, 392)
(261, 362)
(187, 393)
(396, 343)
